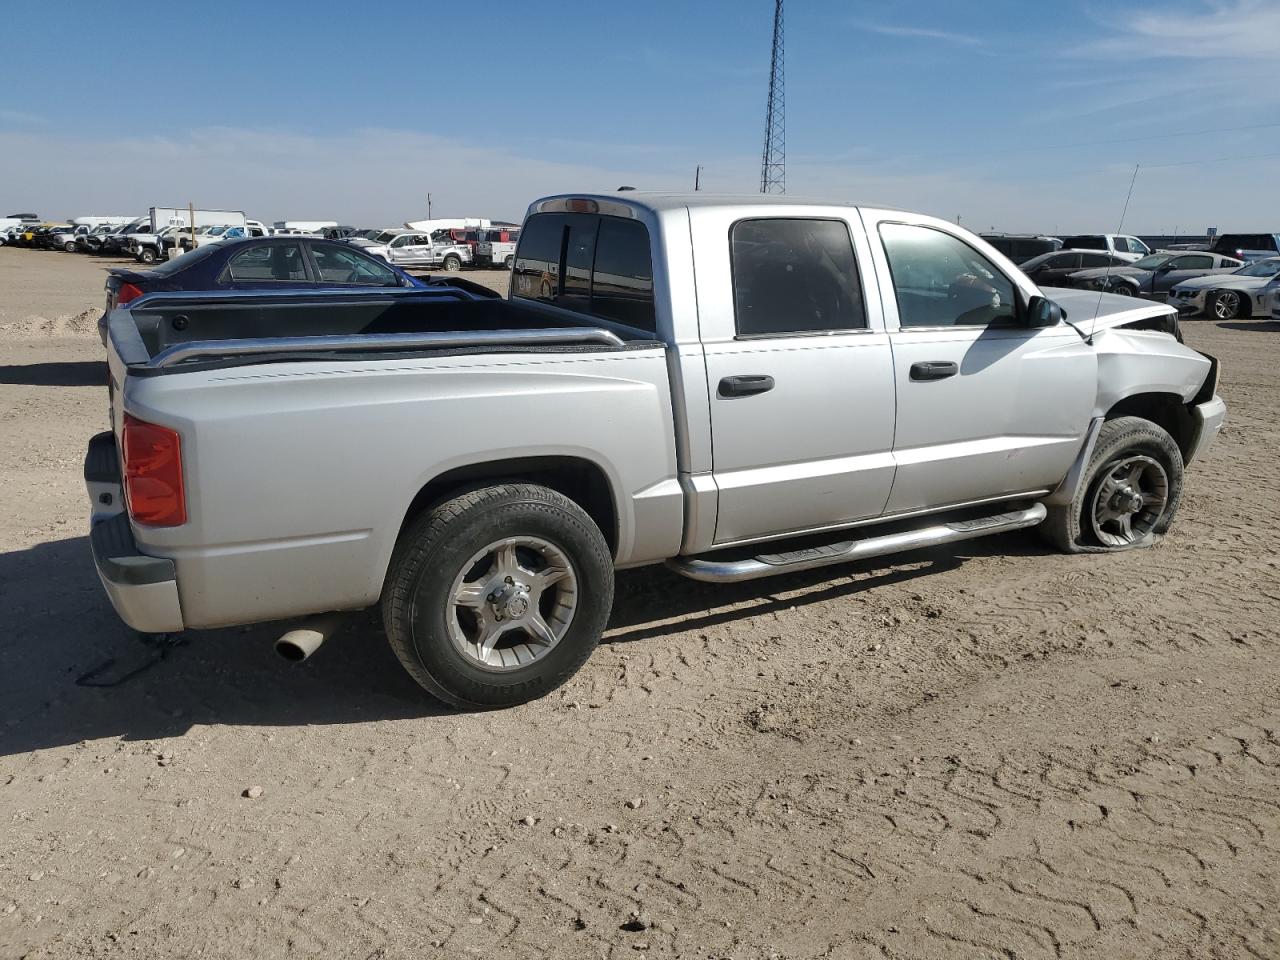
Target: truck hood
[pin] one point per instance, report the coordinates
(1222, 281)
(1093, 311)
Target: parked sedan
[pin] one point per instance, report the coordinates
(259, 263)
(1053, 269)
(1244, 293)
(1155, 274)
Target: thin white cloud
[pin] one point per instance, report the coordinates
(918, 33)
(21, 118)
(1225, 29)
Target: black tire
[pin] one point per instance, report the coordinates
(1123, 290)
(452, 263)
(69, 247)
(1228, 312)
(1068, 527)
(509, 262)
(438, 545)
(147, 255)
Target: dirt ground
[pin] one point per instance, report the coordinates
(988, 751)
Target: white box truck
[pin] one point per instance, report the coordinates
(179, 216)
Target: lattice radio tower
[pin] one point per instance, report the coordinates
(772, 176)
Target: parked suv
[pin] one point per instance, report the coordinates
(1021, 247)
(1247, 246)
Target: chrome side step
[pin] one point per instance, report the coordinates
(772, 564)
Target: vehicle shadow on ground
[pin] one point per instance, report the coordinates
(1256, 326)
(655, 602)
(57, 626)
(72, 373)
(60, 631)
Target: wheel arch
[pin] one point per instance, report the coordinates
(583, 481)
(1167, 410)
(1246, 301)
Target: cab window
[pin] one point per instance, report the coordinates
(794, 276)
(940, 281)
(590, 263)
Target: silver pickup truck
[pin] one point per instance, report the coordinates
(736, 387)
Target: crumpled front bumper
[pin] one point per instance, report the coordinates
(1207, 418)
(143, 589)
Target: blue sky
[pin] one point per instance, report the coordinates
(1017, 115)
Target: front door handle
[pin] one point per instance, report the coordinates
(745, 386)
(933, 370)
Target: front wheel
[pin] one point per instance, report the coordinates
(452, 264)
(69, 247)
(509, 262)
(1129, 495)
(498, 596)
(147, 255)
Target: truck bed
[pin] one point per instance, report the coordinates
(170, 330)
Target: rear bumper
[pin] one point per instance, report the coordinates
(1208, 418)
(143, 589)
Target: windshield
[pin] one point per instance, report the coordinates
(1153, 261)
(1260, 268)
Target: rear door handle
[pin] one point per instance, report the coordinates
(934, 370)
(745, 386)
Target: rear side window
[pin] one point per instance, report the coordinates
(794, 276)
(347, 266)
(275, 261)
(622, 282)
(1199, 262)
(597, 265)
(1091, 260)
(1084, 243)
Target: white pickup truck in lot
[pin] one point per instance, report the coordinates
(736, 387)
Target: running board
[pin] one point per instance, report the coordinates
(772, 564)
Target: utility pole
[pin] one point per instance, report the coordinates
(428, 206)
(772, 175)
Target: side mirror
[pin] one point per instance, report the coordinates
(1043, 312)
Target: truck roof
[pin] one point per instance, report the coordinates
(658, 201)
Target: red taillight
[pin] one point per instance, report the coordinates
(126, 293)
(153, 487)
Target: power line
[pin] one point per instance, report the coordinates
(772, 174)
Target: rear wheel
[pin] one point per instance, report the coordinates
(1225, 304)
(452, 263)
(1129, 495)
(69, 247)
(498, 596)
(509, 262)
